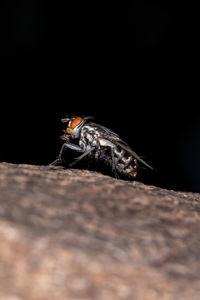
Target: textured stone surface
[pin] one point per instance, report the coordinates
(72, 234)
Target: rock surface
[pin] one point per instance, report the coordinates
(76, 234)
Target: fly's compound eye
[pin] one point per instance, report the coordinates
(75, 122)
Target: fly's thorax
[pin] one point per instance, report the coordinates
(89, 137)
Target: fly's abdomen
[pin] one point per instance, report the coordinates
(125, 163)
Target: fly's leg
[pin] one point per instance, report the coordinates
(65, 146)
(114, 162)
(77, 159)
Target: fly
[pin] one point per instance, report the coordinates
(100, 143)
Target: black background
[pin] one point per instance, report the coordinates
(132, 65)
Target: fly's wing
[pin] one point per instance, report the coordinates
(115, 139)
(108, 133)
(131, 152)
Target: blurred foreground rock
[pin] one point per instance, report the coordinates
(72, 234)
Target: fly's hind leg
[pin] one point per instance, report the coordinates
(59, 160)
(114, 163)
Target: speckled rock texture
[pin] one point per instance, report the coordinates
(76, 234)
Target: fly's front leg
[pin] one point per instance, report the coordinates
(63, 148)
(81, 156)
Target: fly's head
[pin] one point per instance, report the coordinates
(74, 126)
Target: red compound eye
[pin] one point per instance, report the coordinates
(75, 122)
